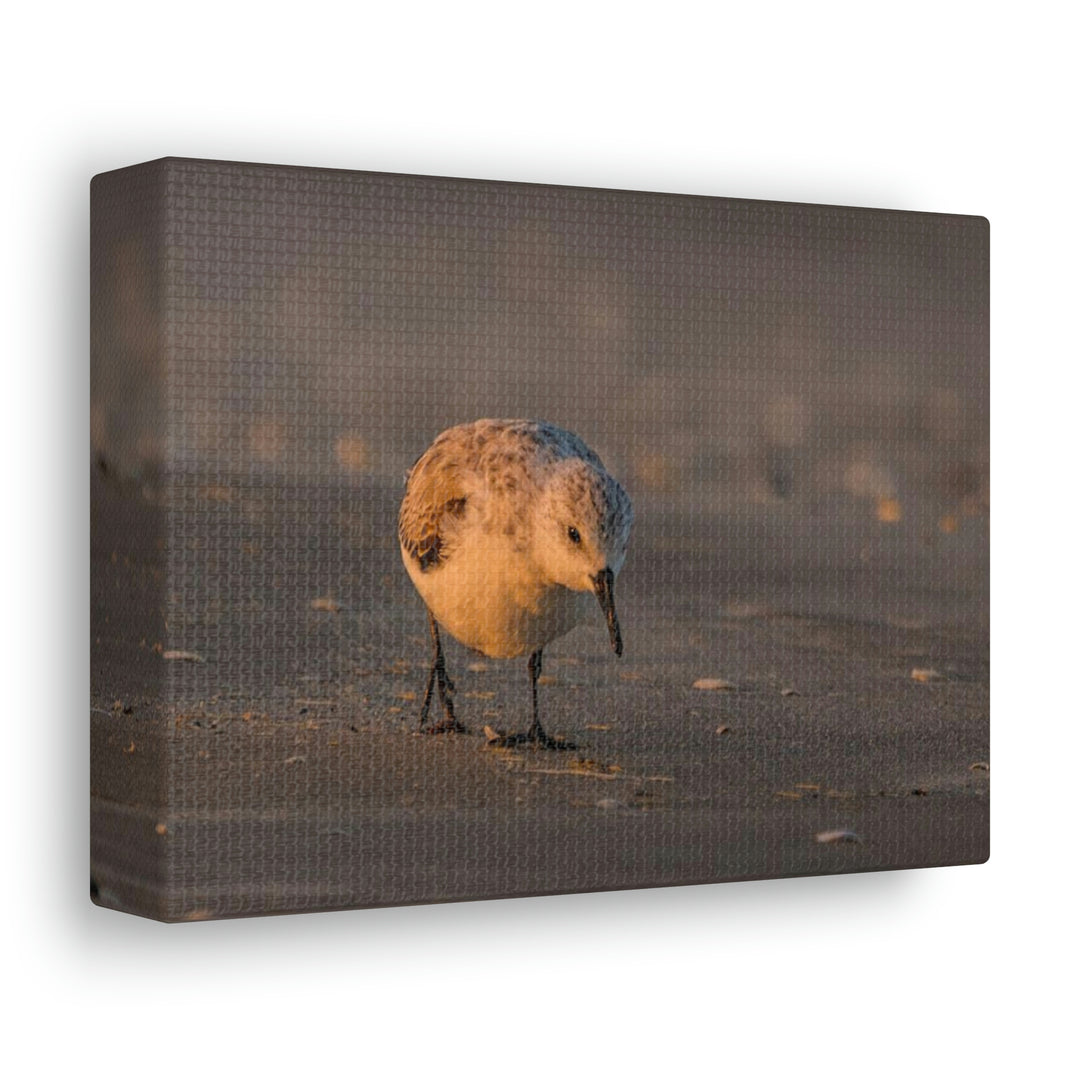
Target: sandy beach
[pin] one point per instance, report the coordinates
(253, 731)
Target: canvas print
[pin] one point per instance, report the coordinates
(454, 539)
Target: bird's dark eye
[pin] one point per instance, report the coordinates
(574, 535)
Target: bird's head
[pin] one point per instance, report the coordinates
(581, 529)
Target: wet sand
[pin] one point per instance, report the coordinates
(279, 769)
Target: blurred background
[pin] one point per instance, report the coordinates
(324, 324)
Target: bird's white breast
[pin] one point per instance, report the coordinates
(491, 598)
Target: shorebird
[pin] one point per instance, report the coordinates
(510, 530)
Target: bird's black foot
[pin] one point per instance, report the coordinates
(450, 725)
(554, 742)
(536, 736)
(532, 737)
(447, 725)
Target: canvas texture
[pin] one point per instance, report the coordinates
(794, 398)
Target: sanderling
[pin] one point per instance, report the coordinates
(506, 528)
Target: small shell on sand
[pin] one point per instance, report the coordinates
(837, 836)
(713, 684)
(980, 766)
(926, 674)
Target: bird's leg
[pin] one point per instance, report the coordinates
(431, 674)
(536, 665)
(446, 690)
(427, 698)
(536, 733)
(438, 677)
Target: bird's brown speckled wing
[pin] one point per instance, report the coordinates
(434, 503)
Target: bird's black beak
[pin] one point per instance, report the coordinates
(604, 586)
